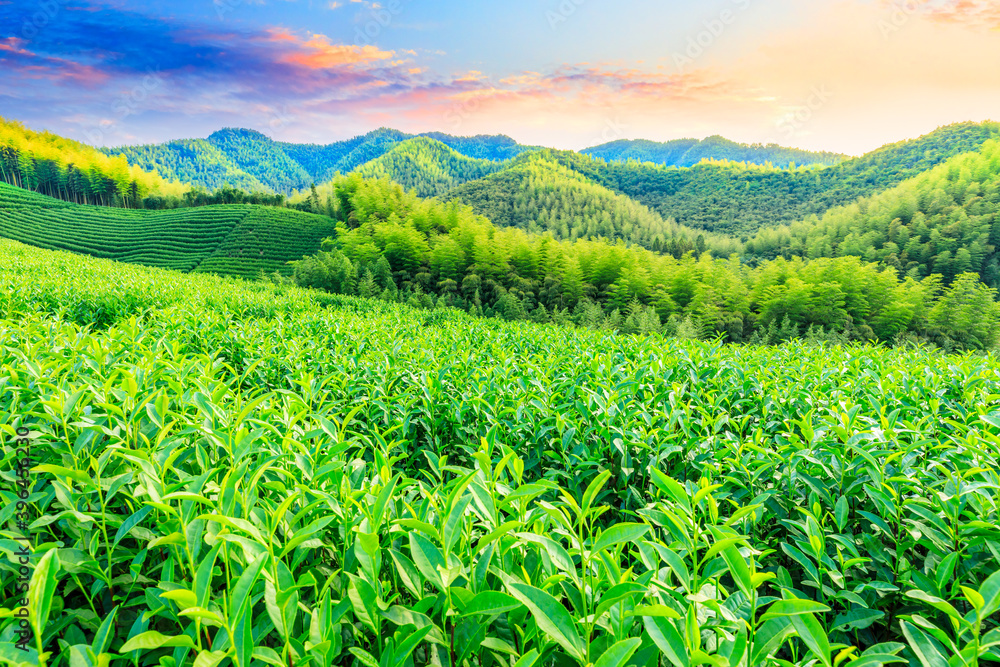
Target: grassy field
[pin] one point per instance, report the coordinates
(229, 240)
(229, 473)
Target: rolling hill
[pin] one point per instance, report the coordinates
(740, 199)
(537, 193)
(237, 240)
(945, 221)
(248, 160)
(427, 166)
(689, 152)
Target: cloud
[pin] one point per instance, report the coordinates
(855, 85)
(981, 14)
(317, 52)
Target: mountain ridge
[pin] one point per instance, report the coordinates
(251, 159)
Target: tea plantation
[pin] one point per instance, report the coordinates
(213, 472)
(236, 240)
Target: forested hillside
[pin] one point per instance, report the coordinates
(689, 152)
(400, 247)
(428, 167)
(740, 199)
(945, 221)
(68, 170)
(537, 193)
(195, 162)
(249, 160)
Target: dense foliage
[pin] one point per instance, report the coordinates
(196, 162)
(241, 158)
(689, 152)
(381, 489)
(945, 221)
(262, 158)
(740, 199)
(232, 240)
(537, 193)
(397, 246)
(427, 167)
(72, 171)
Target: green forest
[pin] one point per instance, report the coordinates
(396, 246)
(945, 221)
(897, 245)
(689, 152)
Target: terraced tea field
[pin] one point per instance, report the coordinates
(232, 473)
(229, 240)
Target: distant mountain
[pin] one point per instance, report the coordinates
(195, 162)
(689, 152)
(249, 160)
(261, 157)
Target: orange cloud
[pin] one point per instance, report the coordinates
(973, 13)
(317, 52)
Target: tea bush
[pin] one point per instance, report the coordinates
(225, 473)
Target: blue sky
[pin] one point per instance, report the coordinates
(845, 75)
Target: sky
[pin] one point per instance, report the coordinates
(838, 75)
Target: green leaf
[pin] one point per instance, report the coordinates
(812, 633)
(41, 588)
(364, 657)
(407, 646)
(150, 640)
(244, 586)
(937, 603)
(78, 475)
(427, 558)
(617, 594)
(203, 577)
(594, 488)
(923, 646)
(102, 640)
(490, 603)
(618, 654)
(551, 617)
(130, 523)
(453, 526)
(667, 639)
(739, 569)
(210, 658)
(856, 619)
(841, 512)
(990, 591)
(619, 534)
(794, 607)
(528, 659)
(363, 599)
(557, 553)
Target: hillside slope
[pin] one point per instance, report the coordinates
(427, 166)
(249, 160)
(72, 171)
(945, 221)
(231, 240)
(195, 162)
(740, 199)
(537, 193)
(689, 152)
